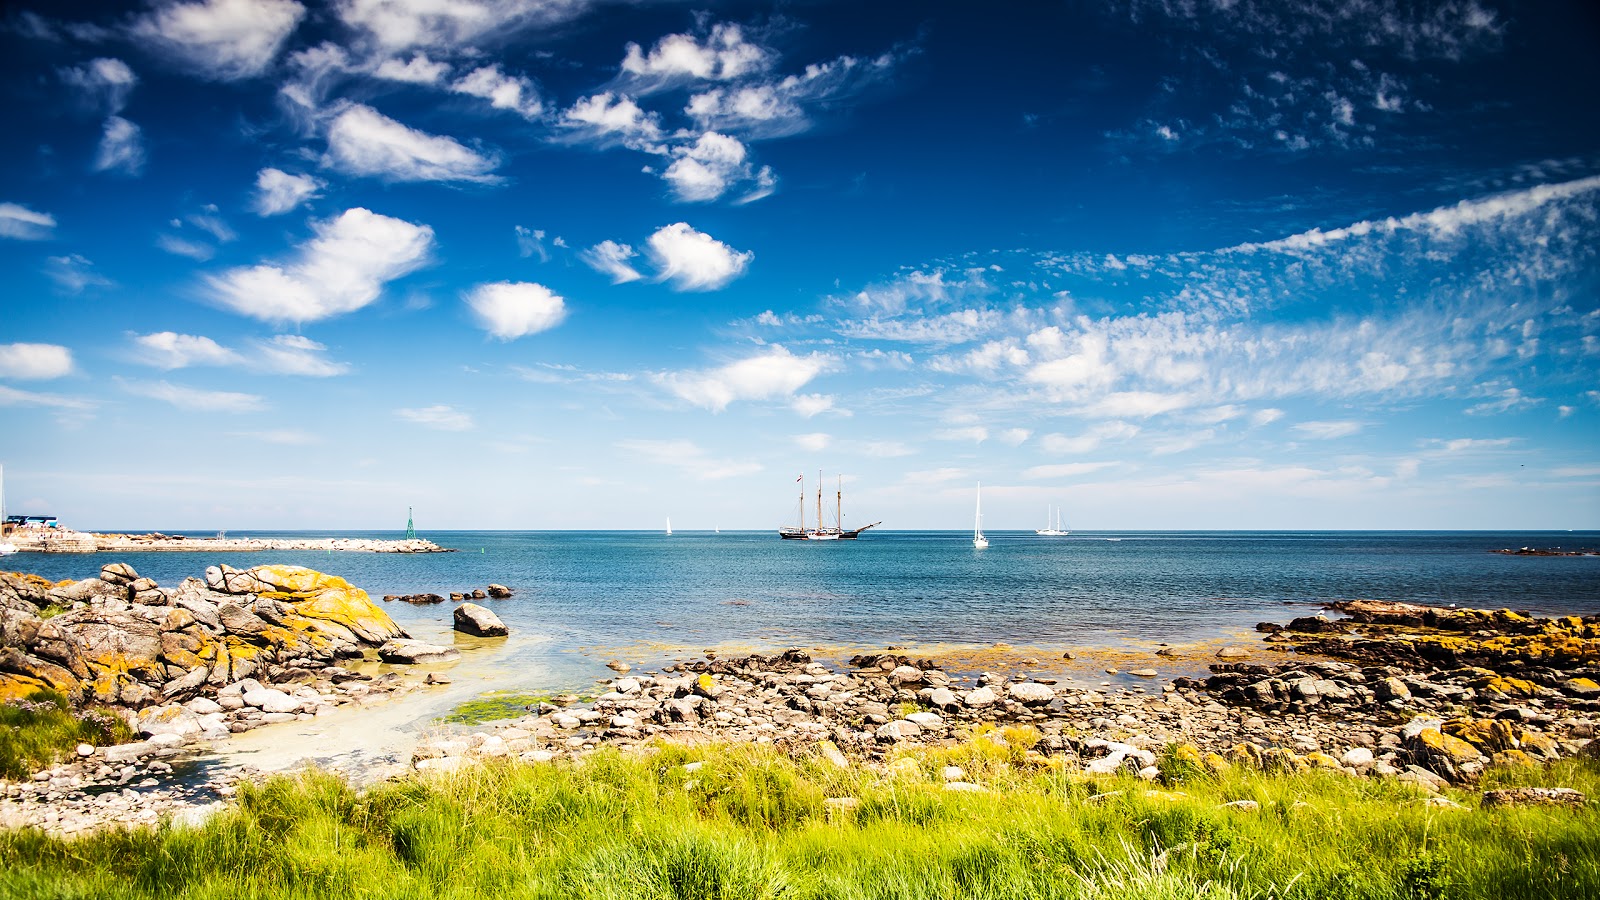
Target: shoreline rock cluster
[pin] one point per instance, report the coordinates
(492, 592)
(65, 540)
(185, 667)
(1403, 719)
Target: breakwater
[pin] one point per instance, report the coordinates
(61, 540)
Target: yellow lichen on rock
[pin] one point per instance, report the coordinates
(1454, 748)
(328, 598)
(1488, 734)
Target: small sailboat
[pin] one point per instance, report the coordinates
(6, 547)
(669, 524)
(1052, 523)
(978, 540)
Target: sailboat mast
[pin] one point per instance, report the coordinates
(802, 481)
(838, 509)
(819, 500)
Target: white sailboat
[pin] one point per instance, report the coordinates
(1052, 523)
(669, 524)
(978, 540)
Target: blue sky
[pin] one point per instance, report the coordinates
(580, 264)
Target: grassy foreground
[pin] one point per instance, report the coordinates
(44, 729)
(750, 823)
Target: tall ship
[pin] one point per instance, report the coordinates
(834, 532)
(1051, 529)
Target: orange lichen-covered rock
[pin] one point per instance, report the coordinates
(1487, 734)
(322, 599)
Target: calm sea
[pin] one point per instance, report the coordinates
(583, 597)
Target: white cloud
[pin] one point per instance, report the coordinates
(104, 83)
(510, 310)
(121, 148)
(20, 223)
(341, 270)
(419, 69)
(810, 405)
(223, 39)
(394, 25)
(607, 118)
(708, 168)
(690, 260)
(611, 258)
(725, 55)
(34, 361)
(169, 350)
(1504, 400)
(363, 141)
(814, 442)
(1327, 431)
(773, 373)
(777, 108)
(514, 93)
(278, 192)
(958, 327)
(439, 418)
(530, 242)
(1014, 436)
(1065, 470)
(1265, 416)
(194, 399)
(690, 457)
(74, 273)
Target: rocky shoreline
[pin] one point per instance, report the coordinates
(1432, 697)
(62, 540)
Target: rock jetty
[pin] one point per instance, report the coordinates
(62, 540)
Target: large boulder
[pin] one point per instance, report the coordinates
(470, 618)
(325, 600)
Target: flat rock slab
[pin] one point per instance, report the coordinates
(1532, 796)
(405, 650)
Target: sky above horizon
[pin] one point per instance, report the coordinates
(572, 264)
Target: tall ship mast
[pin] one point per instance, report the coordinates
(834, 532)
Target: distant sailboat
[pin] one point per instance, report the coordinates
(1051, 529)
(669, 524)
(6, 547)
(978, 540)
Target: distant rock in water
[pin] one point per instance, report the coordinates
(470, 618)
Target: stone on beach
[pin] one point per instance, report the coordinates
(473, 619)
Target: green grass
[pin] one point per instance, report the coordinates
(43, 729)
(749, 823)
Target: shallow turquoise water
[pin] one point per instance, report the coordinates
(582, 595)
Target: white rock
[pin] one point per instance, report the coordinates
(1356, 758)
(953, 773)
(1031, 693)
(898, 730)
(978, 698)
(906, 675)
(271, 700)
(926, 719)
(203, 706)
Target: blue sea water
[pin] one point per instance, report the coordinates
(583, 597)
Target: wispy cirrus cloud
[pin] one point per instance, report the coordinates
(121, 148)
(438, 418)
(20, 223)
(611, 258)
(194, 399)
(688, 457)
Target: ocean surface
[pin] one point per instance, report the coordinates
(582, 598)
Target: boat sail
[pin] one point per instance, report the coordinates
(1051, 529)
(834, 532)
(669, 524)
(978, 540)
(6, 547)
